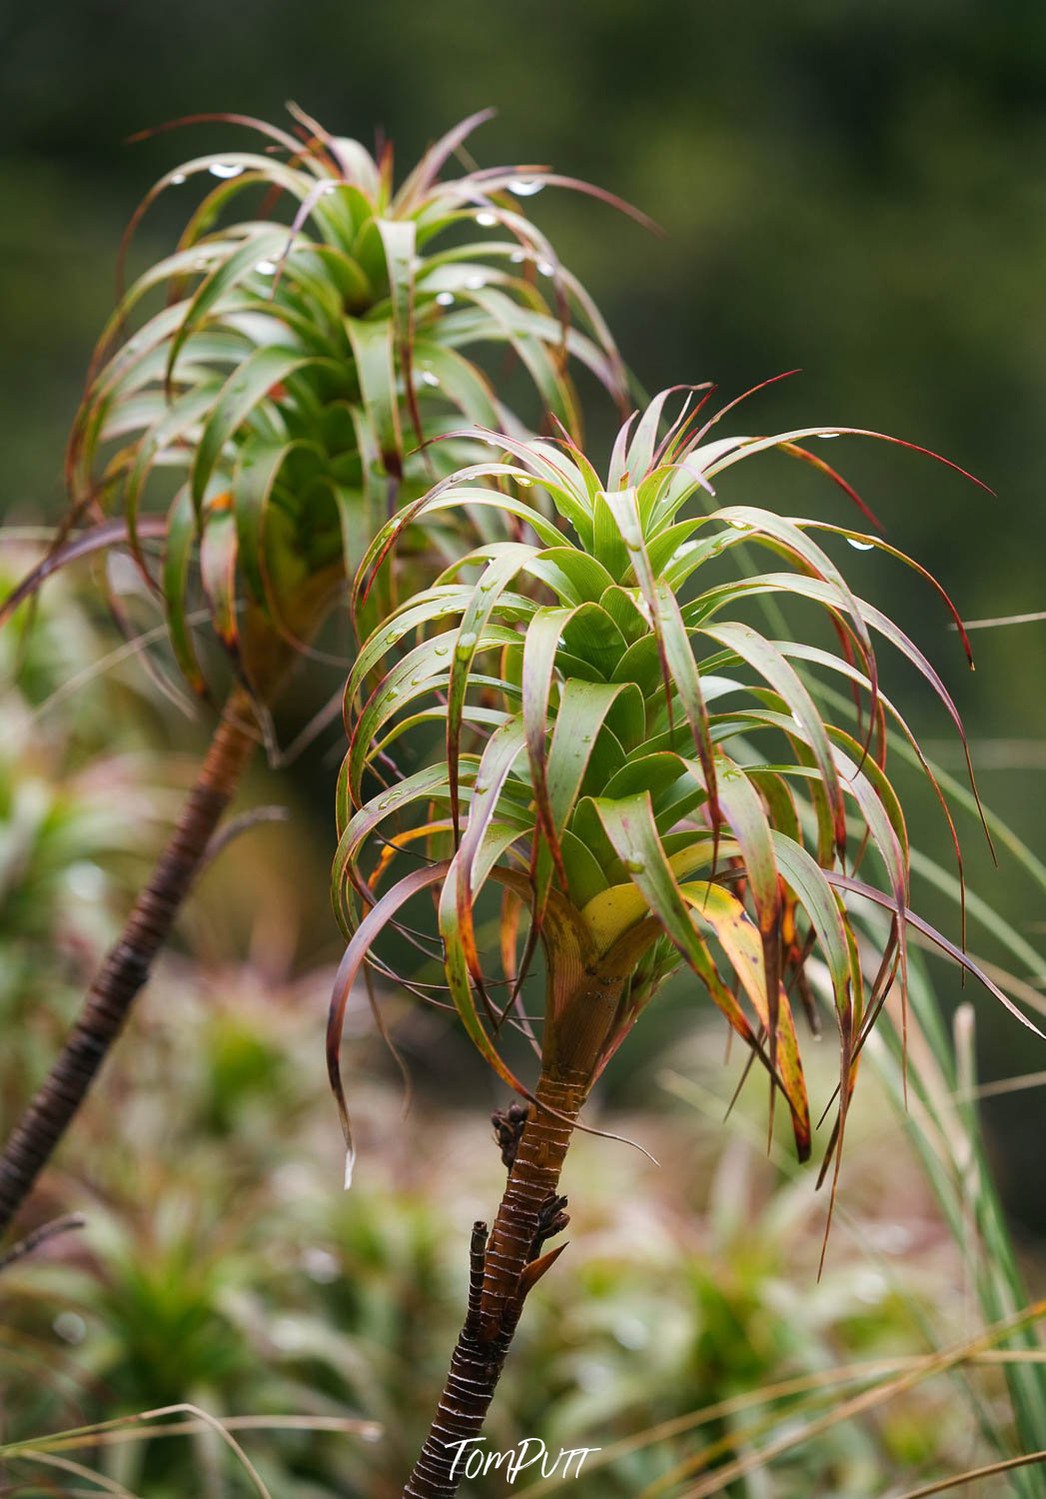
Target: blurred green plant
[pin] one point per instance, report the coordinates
(81, 811)
(297, 376)
(653, 781)
(218, 1271)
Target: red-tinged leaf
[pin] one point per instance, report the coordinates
(724, 915)
(374, 350)
(630, 826)
(744, 447)
(218, 549)
(455, 966)
(693, 446)
(258, 468)
(530, 179)
(683, 672)
(356, 954)
(539, 664)
(424, 668)
(746, 816)
(245, 388)
(100, 538)
(181, 533)
(264, 243)
(881, 898)
(772, 666)
(504, 565)
(876, 543)
(805, 456)
(421, 179)
(814, 892)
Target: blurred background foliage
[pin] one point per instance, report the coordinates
(858, 192)
(222, 1266)
(855, 191)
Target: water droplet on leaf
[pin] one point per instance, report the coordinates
(70, 1327)
(177, 178)
(861, 546)
(320, 1265)
(428, 378)
(445, 298)
(225, 169)
(266, 268)
(525, 187)
(486, 220)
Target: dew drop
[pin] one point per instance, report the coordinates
(525, 187)
(177, 178)
(224, 169)
(70, 1327)
(486, 220)
(467, 643)
(440, 650)
(524, 483)
(266, 267)
(475, 283)
(871, 1287)
(428, 378)
(480, 788)
(828, 436)
(517, 257)
(546, 268)
(86, 880)
(445, 298)
(320, 1265)
(861, 546)
(631, 1332)
(635, 865)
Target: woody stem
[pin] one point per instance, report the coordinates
(126, 968)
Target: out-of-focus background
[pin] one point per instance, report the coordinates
(855, 192)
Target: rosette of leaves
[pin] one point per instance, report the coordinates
(265, 420)
(299, 372)
(647, 777)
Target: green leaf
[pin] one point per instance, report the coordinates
(241, 393)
